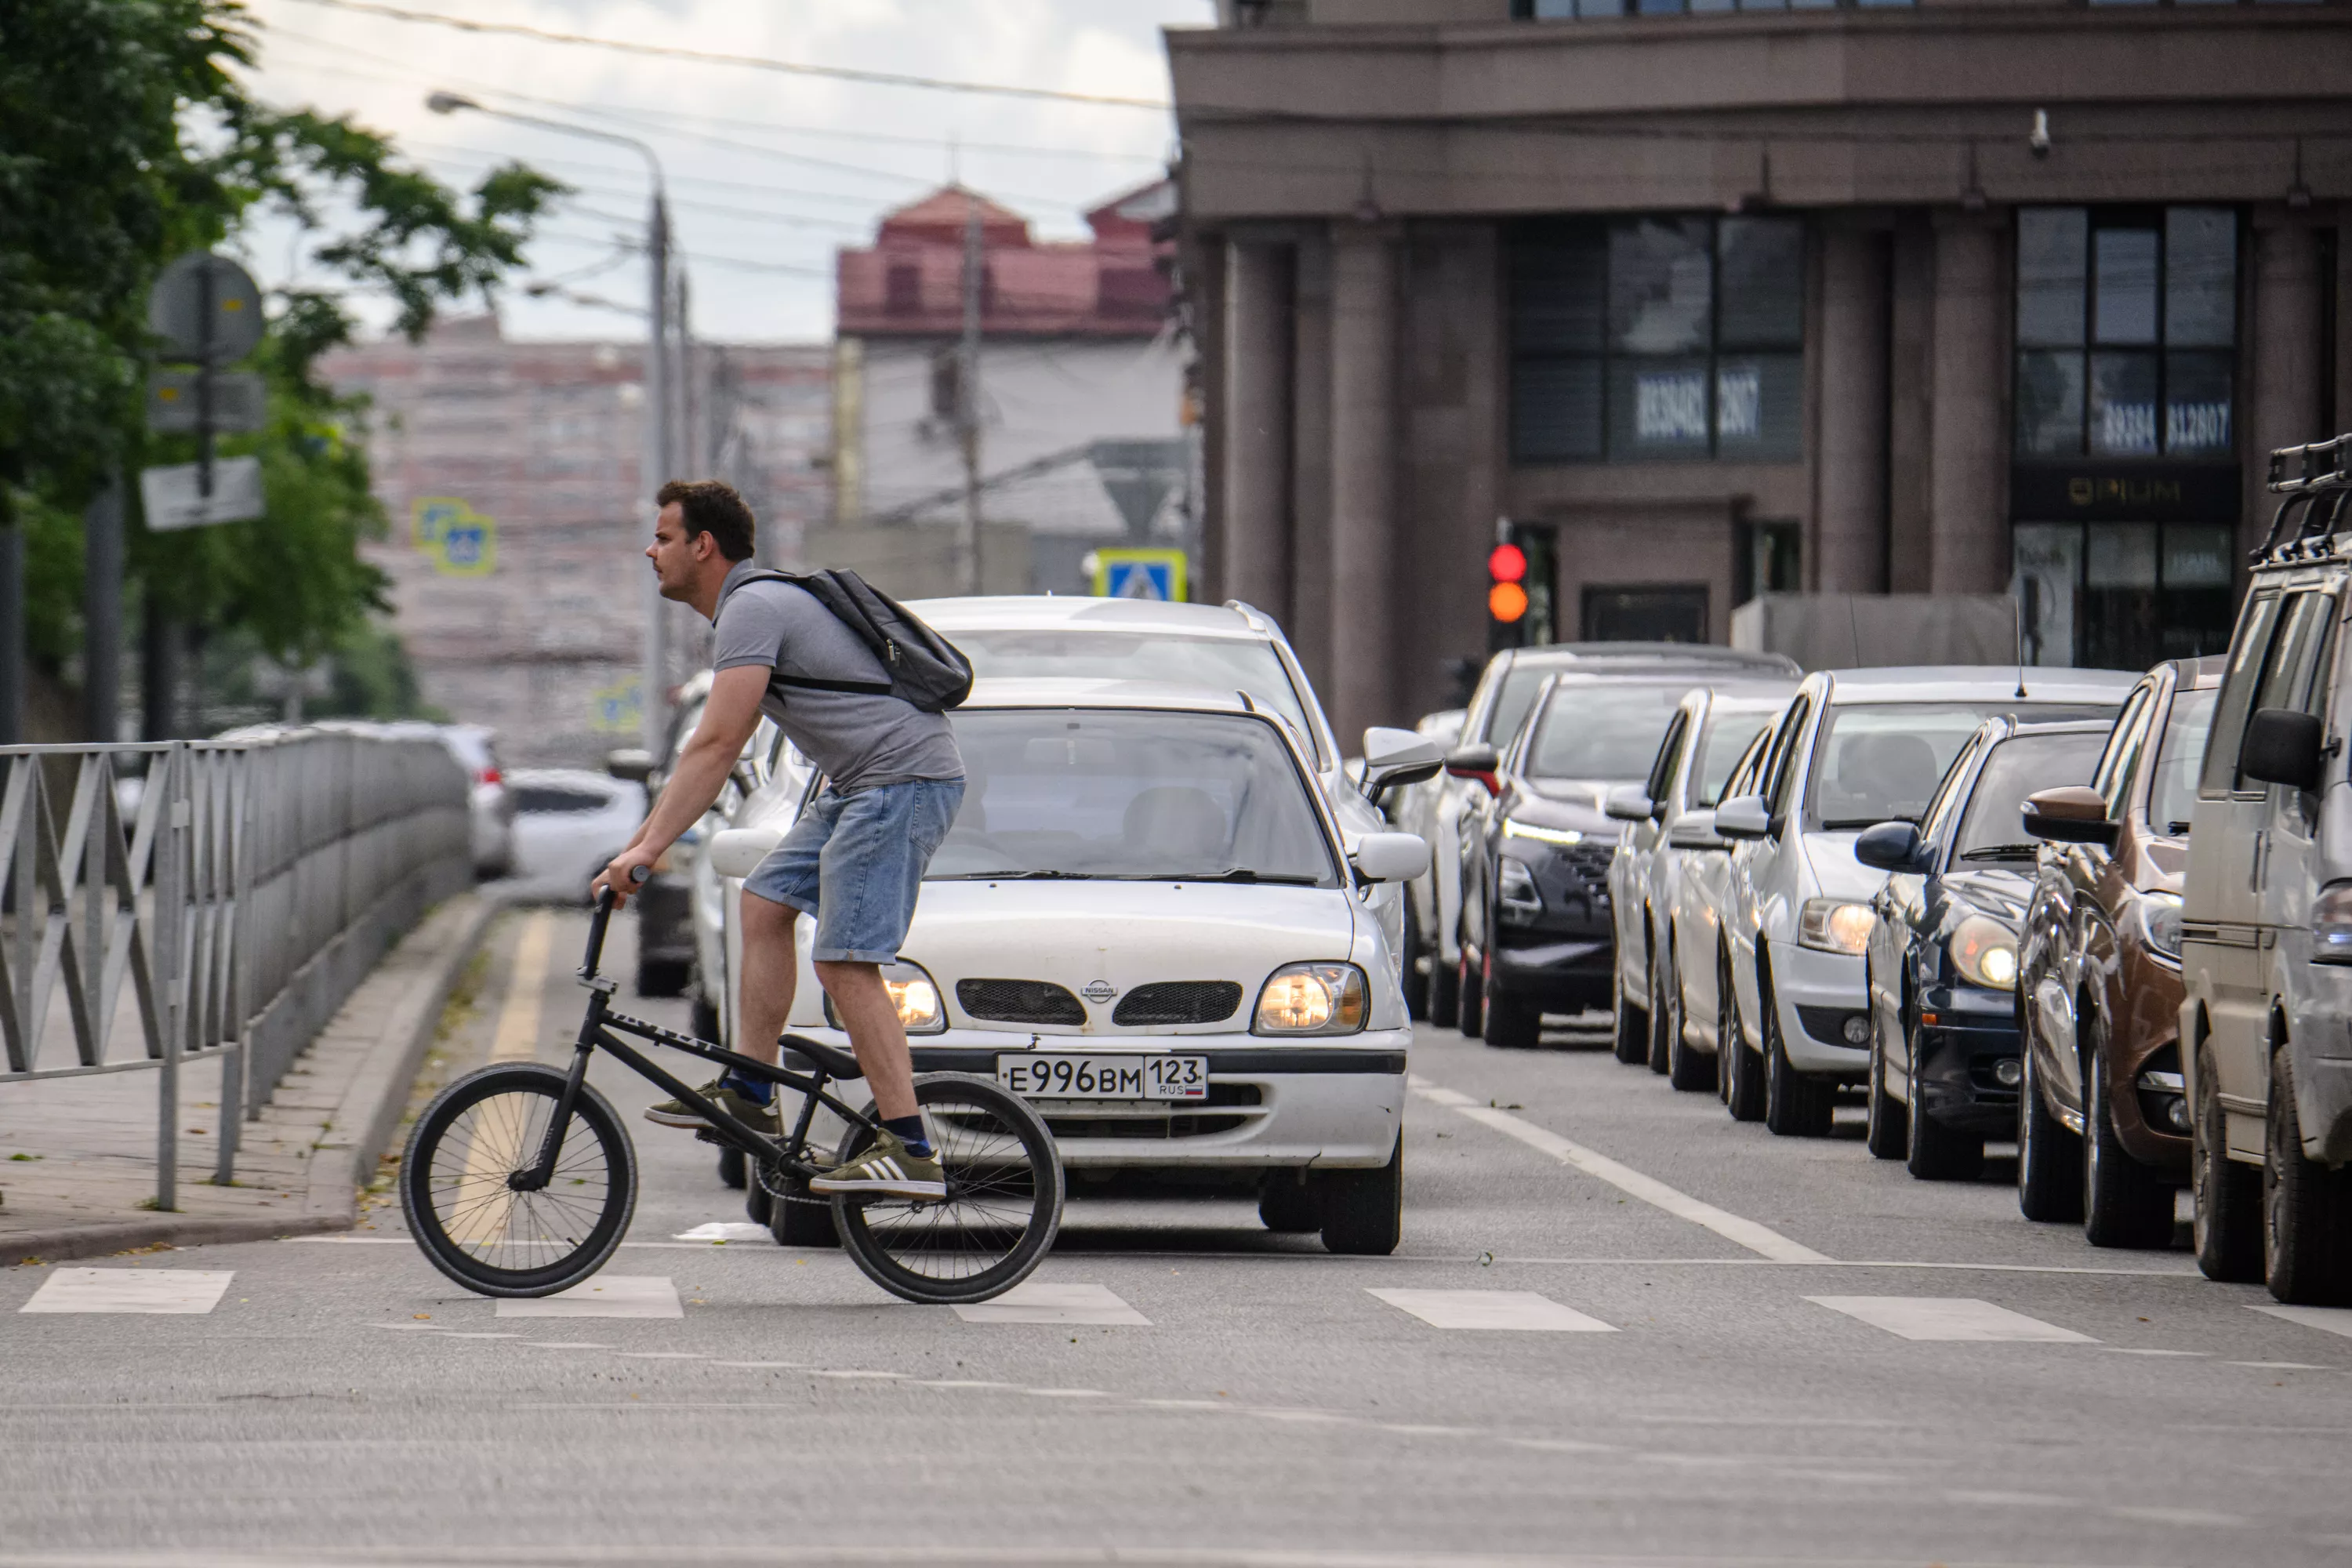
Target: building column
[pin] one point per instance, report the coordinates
(1364, 479)
(1968, 541)
(2282, 356)
(1310, 624)
(1256, 481)
(1850, 533)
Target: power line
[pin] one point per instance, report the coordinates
(753, 62)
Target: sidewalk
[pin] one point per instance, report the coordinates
(78, 1155)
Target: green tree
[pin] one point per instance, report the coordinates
(124, 142)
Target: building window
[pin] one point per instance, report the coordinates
(1657, 339)
(2126, 332)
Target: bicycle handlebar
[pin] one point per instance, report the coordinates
(638, 876)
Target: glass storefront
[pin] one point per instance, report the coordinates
(2123, 595)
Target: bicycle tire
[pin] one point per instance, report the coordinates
(1001, 1163)
(458, 1208)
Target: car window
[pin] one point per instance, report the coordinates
(1935, 822)
(1874, 762)
(555, 799)
(1598, 731)
(1670, 754)
(1147, 795)
(2172, 789)
(1782, 768)
(2286, 676)
(2248, 651)
(1751, 761)
(2018, 766)
(1726, 743)
(1215, 664)
(2120, 758)
(1522, 683)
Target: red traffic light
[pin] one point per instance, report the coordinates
(1507, 563)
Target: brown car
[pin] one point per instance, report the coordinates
(2103, 1126)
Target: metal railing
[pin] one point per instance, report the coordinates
(221, 905)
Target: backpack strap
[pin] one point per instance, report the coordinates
(809, 683)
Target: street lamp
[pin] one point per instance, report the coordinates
(658, 451)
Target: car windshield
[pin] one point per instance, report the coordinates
(1520, 686)
(1217, 664)
(1057, 793)
(1720, 749)
(1992, 830)
(2172, 792)
(1603, 731)
(1878, 761)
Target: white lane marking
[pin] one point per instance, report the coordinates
(662, 1355)
(568, 1346)
(2180, 1516)
(1036, 1301)
(2126, 1350)
(1492, 1310)
(764, 1365)
(1065, 1394)
(454, 1334)
(1948, 1318)
(130, 1290)
(517, 1036)
(605, 1296)
(726, 1230)
(860, 1372)
(2010, 1499)
(2328, 1320)
(1758, 1238)
(2280, 1365)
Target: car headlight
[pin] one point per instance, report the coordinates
(1984, 951)
(1515, 890)
(913, 993)
(1312, 999)
(1835, 925)
(1512, 829)
(2158, 916)
(2331, 924)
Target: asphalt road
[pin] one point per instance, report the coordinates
(1707, 1348)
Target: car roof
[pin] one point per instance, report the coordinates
(1696, 656)
(1977, 683)
(1047, 612)
(2202, 674)
(1067, 692)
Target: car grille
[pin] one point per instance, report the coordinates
(1018, 1002)
(1591, 862)
(1177, 1002)
(1152, 1122)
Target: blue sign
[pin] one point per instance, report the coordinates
(1157, 574)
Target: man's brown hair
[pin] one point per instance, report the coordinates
(712, 507)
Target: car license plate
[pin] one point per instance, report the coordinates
(1105, 1077)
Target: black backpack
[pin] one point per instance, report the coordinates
(926, 670)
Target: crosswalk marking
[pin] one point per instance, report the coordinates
(726, 1230)
(1493, 1310)
(1036, 1301)
(130, 1290)
(2328, 1320)
(1947, 1317)
(605, 1296)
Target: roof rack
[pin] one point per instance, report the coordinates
(2307, 475)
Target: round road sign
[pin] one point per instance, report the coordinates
(206, 309)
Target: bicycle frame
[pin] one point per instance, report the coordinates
(597, 1032)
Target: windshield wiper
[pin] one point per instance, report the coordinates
(1237, 874)
(2002, 852)
(1041, 876)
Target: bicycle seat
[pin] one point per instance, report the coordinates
(831, 1060)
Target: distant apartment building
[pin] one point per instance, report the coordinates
(510, 473)
(1081, 392)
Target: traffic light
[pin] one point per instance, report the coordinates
(1507, 573)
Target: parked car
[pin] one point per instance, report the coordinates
(569, 824)
(2266, 916)
(1707, 736)
(2102, 1124)
(1941, 965)
(1146, 919)
(1698, 892)
(1856, 747)
(490, 811)
(1413, 807)
(1498, 706)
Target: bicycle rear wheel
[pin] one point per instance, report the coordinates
(1003, 1208)
(482, 1232)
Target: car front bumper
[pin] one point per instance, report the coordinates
(1827, 984)
(1273, 1103)
(1959, 1064)
(1559, 972)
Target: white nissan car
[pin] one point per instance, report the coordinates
(1148, 918)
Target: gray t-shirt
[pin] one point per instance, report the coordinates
(856, 740)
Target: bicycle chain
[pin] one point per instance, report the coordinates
(771, 1173)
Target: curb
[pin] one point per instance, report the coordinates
(371, 1106)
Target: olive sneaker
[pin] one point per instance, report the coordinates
(886, 1171)
(720, 1094)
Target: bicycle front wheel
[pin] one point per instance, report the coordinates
(1003, 1208)
(483, 1233)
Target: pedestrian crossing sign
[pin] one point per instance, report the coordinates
(1140, 574)
(458, 541)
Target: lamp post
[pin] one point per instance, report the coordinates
(658, 451)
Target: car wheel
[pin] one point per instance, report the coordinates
(1795, 1105)
(1286, 1202)
(2303, 1206)
(1363, 1211)
(1444, 1000)
(1512, 1023)
(663, 976)
(1632, 1042)
(759, 1204)
(2226, 1227)
(1687, 1067)
(1889, 1133)
(1743, 1081)
(1666, 1017)
(2124, 1204)
(802, 1220)
(2048, 1169)
(704, 1021)
(731, 1168)
(1934, 1153)
(1470, 992)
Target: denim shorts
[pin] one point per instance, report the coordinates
(856, 863)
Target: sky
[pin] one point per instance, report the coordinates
(768, 174)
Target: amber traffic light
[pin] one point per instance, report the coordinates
(1506, 567)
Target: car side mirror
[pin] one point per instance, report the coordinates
(2283, 746)
(1891, 846)
(1481, 763)
(2069, 814)
(737, 850)
(631, 762)
(1389, 856)
(1744, 816)
(1393, 757)
(1695, 830)
(1626, 803)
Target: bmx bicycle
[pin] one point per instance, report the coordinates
(520, 1178)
